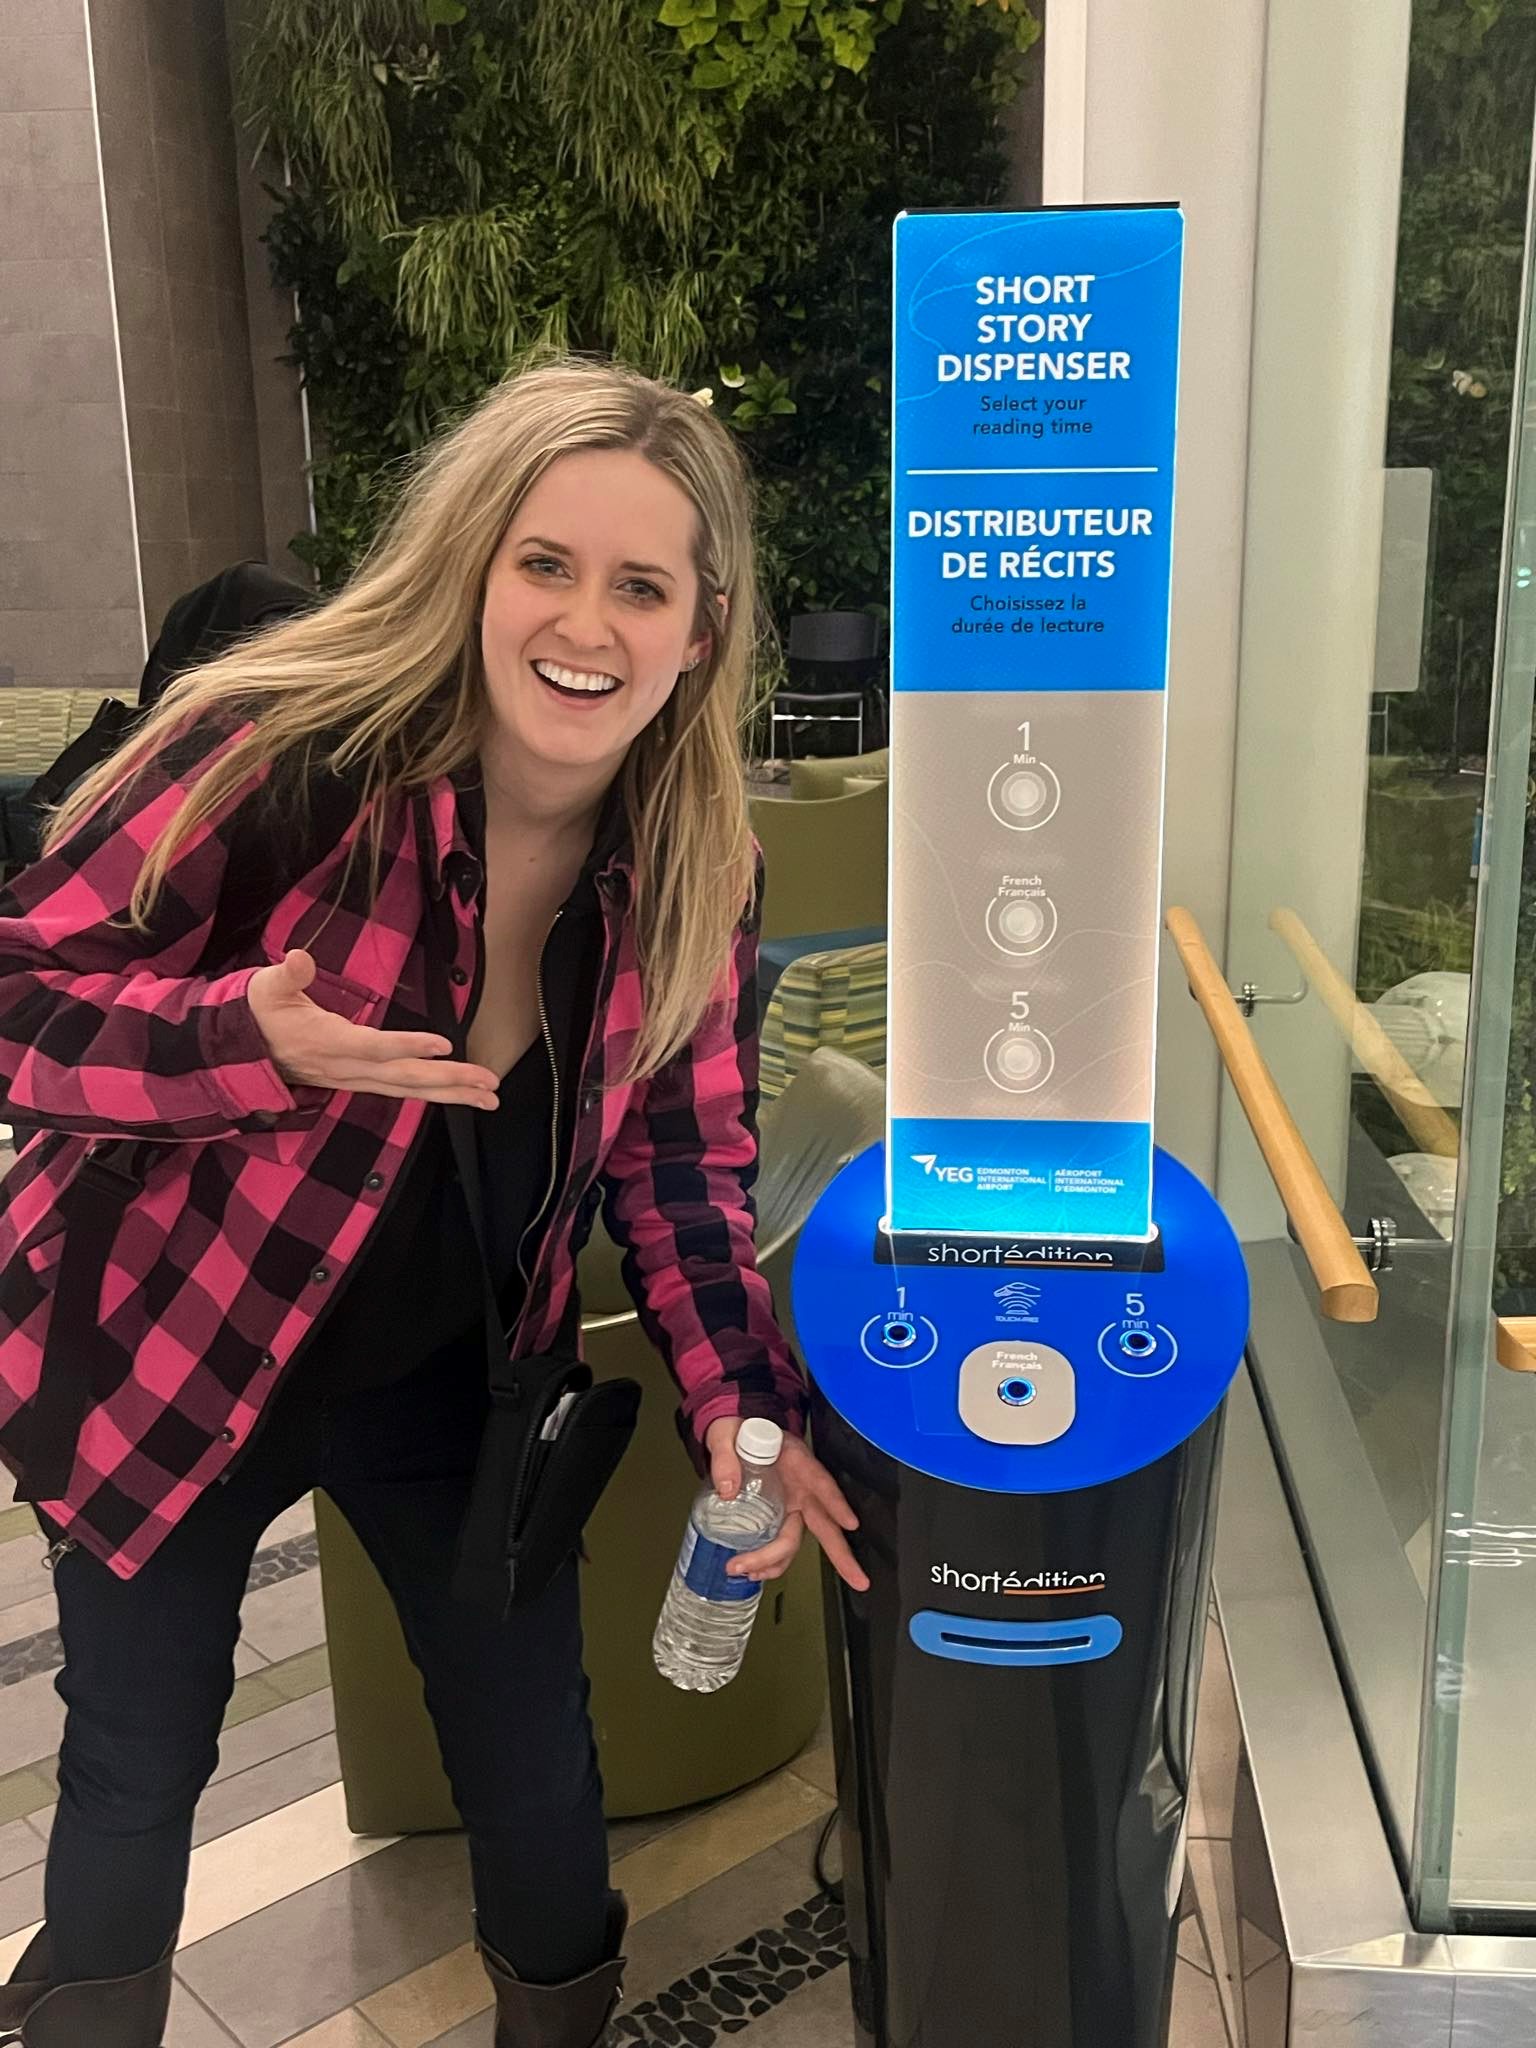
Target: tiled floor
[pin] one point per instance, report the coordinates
(298, 1932)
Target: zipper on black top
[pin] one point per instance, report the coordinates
(586, 1061)
(554, 1117)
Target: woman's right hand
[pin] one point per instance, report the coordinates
(318, 1050)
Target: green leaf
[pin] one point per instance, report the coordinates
(444, 13)
(677, 183)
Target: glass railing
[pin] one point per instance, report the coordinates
(1383, 908)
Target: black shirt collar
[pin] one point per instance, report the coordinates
(463, 866)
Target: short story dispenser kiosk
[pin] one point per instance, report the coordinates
(1019, 1317)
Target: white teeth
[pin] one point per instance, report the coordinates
(576, 679)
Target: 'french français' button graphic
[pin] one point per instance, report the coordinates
(1021, 924)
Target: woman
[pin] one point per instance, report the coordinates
(473, 833)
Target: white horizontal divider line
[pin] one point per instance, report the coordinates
(254, 1867)
(1036, 469)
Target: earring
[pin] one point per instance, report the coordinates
(690, 666)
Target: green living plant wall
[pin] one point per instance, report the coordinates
(702, 188)
(1466, 166)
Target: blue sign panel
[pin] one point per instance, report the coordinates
(1034, 402)
(1036, 367)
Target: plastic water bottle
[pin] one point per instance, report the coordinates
(706, 1618)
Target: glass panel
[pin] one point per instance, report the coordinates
(1392, 224)
(1476, 1855)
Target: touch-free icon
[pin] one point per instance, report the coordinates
(1017, 1295)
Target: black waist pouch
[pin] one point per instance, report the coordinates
(552, 1442)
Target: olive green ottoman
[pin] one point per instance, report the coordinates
(659, 1748)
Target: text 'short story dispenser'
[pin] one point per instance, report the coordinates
(1020, 1318)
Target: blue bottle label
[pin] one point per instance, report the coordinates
(702, 1566)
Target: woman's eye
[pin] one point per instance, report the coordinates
(541, 563)
(643, 589)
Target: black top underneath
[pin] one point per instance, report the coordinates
(417, 1296)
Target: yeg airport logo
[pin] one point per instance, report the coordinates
(929, 1162)
(1035, 1586)
(944, 1253)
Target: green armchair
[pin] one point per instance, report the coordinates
(660, 1748)
(825, 862)
(830, 775)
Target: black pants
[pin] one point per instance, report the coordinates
(149, 1670)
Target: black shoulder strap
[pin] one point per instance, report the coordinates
(274, 848)
(509, 1377)
(93, 1204)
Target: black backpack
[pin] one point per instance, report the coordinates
(198, 626)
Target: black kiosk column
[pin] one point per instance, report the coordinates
(1020, 1320)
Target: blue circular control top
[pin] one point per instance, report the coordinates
(1015, 1368)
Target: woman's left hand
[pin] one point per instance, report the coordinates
(812, 1496)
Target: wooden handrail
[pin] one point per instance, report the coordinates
(1426, 1122)
(1430, 1126)
(1347, 1289)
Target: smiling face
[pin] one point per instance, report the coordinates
(591, 609)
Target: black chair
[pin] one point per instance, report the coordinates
(834, 686)
(820, 639)
(810, 715)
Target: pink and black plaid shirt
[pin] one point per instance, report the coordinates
(253, 1201)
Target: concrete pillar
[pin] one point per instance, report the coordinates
(1327, 259)
(70, 606)
(134, 459)
(1164, 103)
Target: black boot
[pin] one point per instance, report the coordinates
(29, 1980)
(573, 2015)
(113, 2012)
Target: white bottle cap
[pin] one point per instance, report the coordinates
(759, 1442)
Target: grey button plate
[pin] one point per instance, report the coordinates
(1040, 1421)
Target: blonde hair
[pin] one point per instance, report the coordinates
(392, 664)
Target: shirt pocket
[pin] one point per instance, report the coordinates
(353, 1000)
(295, 1147)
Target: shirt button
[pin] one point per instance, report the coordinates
(267, 1361)
(320, 1275)
(228, 1435)
(459, 976)
(374, 1182)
